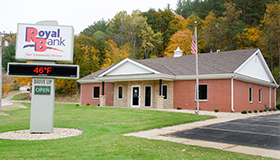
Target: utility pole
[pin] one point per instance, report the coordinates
(1, 68)
(1, 72)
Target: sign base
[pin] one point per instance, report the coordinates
(42, 106)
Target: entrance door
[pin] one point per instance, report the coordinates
(135, 96)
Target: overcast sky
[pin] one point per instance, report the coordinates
(78, 13)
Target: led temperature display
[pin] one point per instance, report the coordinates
(43, 70)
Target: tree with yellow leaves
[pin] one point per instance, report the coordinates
(182, 39)
(271, 34)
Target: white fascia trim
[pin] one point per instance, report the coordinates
(255, 81)
(136, 78)
(205, 76)
(131, 61)
(259, 54)
(89, 81)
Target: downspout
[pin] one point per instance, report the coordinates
(269, 96)
(232, 95)
(274, 98)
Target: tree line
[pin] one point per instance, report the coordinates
(222, 25)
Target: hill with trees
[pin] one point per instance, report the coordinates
(222, 25)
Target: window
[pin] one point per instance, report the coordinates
(260, 95)
(96, 90)
(250, 94)
(120, 92)
(164, 91)
(148, 96)
(202, 92)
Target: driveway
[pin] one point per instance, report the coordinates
(261, 131)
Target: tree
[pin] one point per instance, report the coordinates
(231, 26)
(8, 55)
(271, 30)
(114, 54)
(100, 25)
(190, 25)
(210, 32)
(7, 83)
(182, 39)
(23, 81)
(119, 28)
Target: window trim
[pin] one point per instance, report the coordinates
(260, 95)
(251, 94)
(166, 91)
(199, 97)
(120, 86)
(93, 92)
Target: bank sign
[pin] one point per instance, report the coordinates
(44, 42)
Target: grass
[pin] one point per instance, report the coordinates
(22, 96)
(102, 138)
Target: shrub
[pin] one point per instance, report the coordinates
(216, 110)
(244, 112)
(87, 104)
(77, 105)
(269, 109)
(260, 111)
(255, 111)
(274, 109)
(178, 108)
(278, 106)
(264, 110)
(249, 111)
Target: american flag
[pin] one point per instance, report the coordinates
(194, 42)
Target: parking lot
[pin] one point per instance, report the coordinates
(260, 131)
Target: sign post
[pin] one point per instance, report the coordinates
(44, 43)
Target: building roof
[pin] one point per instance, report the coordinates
(217, 63)
(209, 63)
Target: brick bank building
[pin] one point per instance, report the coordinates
(230, 81)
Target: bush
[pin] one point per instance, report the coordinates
(178, 108)
(260, 111)
(216, 110)
(278, 106)
(264, 110)
(77, 105)
(269, 109)
(87, 104)
(274, 109)
(249, 111)
(244, 112)
(255, 111)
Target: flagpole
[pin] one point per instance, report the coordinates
(196, 68)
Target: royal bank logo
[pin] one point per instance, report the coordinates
(43, 39)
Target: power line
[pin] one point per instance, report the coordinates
(5, 27)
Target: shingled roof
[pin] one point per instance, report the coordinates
(209, 63)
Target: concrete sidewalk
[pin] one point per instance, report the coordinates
(160, 134)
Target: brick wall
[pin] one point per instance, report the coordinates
(241, 96)
(219, 95)
(87, 94)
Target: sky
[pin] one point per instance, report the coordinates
(77, 13)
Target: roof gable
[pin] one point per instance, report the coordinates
(128, 67)
(256, 67)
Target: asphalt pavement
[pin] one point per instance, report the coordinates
(256, 133)
(261, 131)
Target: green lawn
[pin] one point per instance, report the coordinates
(22, 96)
(102, 138)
